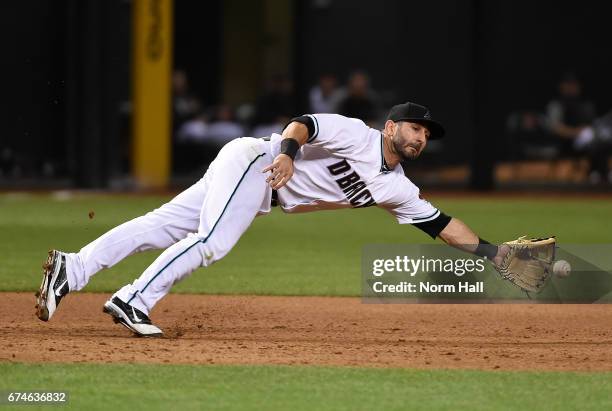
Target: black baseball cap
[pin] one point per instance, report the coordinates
(416, 113)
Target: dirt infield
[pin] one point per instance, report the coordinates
(316, 331)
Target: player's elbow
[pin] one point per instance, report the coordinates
(434, 228)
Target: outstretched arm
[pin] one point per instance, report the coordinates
(459, 235)
(526, 263)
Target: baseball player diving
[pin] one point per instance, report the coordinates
(320, 162)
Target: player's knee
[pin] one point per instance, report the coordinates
(211, 255)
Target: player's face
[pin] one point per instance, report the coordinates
(410, 139)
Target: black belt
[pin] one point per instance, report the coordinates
(274, 199)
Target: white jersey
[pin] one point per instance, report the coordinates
(342, 166)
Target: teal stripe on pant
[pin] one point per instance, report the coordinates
(209, 234)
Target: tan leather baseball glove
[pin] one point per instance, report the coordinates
(528, 263)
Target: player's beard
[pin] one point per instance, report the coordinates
(399, 145)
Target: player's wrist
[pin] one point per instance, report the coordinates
(285, 156)
(486, 249)
(289, 147)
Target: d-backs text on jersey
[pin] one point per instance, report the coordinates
(351, 185)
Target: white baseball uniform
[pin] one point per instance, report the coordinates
(341, 166)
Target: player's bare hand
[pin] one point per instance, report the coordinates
(281, 171)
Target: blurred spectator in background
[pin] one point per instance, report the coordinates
(596, 142)
(570, 112)
(223, 127)
(215, 130)
(194, 130)
(199, 140)
(277, 101)
(185, 106)
(323, 98)
(568, 115)
(360, 101)
(264, 130)
(529, 137)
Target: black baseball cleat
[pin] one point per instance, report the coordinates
(54, 285)
(132, 318)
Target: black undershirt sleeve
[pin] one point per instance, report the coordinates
(434, 227)
(307, 121)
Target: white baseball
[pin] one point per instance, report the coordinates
(562, 269)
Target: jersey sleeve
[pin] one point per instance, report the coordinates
(337, 133)
(406, 204)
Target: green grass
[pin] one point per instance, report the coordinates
(126, 387)
(307, 254)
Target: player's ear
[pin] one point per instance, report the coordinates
(390, 127)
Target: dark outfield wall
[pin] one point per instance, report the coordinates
(473, 61)
(33, 64)
(66, 75)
